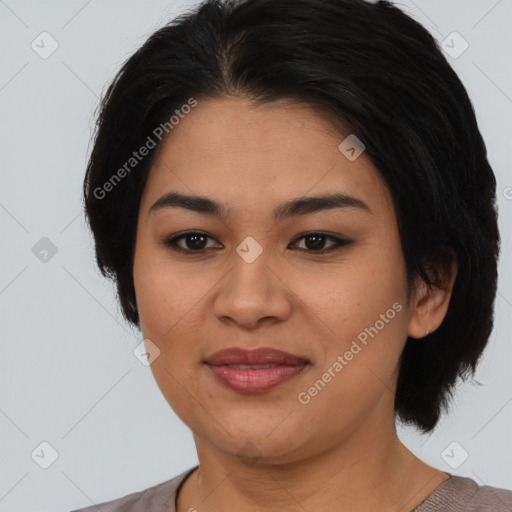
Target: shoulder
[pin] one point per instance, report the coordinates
(153, 499)
(463, 494)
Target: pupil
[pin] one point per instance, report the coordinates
(194, 244)
(318, 241)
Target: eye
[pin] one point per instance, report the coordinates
(194, 242)
(315, 242)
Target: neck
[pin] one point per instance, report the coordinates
(371, 469)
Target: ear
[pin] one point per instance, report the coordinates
(431, 303)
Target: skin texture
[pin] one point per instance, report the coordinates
(268, 451)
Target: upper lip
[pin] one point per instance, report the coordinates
(263, 355)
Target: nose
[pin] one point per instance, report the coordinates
(252, 294)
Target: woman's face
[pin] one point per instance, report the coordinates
(252, 280)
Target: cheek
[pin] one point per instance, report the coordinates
(166, 297)
(347, 297)
(172, 310)
(360, 310)
(169, 308)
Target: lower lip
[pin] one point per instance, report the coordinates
(255, 381)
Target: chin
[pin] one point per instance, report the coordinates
(264, 441)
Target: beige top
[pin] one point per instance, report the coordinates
(456, 494)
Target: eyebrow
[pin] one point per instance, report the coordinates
(298, 206)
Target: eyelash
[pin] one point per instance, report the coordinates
(171, 243)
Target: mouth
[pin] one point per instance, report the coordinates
(254, 371)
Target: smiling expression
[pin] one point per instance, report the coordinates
(254, 231)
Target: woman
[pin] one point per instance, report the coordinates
(295, 202)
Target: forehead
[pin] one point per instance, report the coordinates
(239, 153)
(236, 124)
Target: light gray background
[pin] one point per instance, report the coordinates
(68, 375)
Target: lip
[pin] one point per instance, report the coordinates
(263, 355)
(253, 380)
